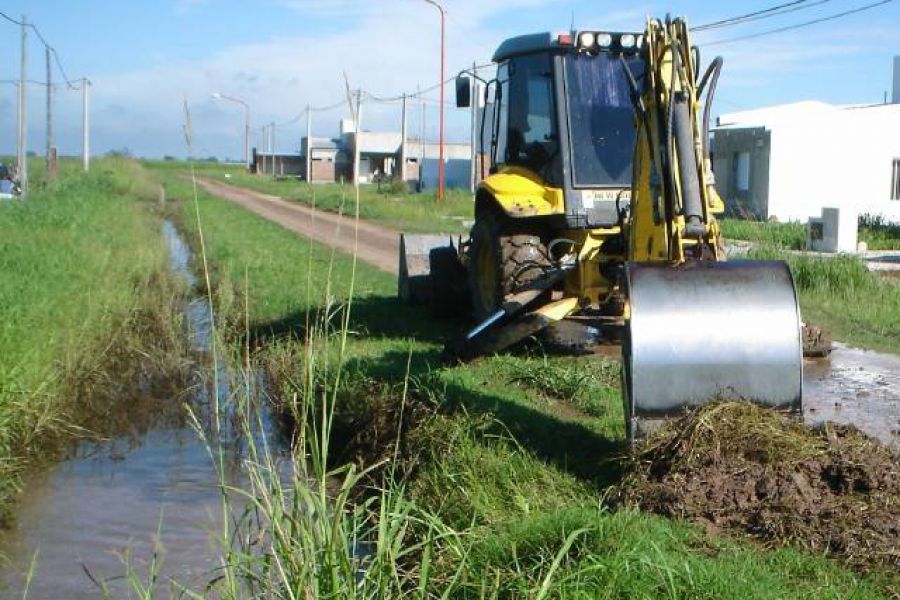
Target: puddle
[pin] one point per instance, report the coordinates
(855, 387)
(110, 500)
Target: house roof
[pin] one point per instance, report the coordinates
(798, 111)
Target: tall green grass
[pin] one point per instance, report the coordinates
(77, 259)
(879, 234)
(784, 235)
(859, 307)
(460, 482)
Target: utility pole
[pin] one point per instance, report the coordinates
(308, 144)
(51, 159)
(356, 141)
(421, 142)
(22, 157)
(441, 172)
(403, 141)
(247, 136)
(473, 136)
(443, 12)
(272, 145)
(265, 147)
(86, 123)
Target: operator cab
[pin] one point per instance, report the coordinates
(562, 109)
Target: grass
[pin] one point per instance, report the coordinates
(783, 235)
(877, 233)
(857, 306)
(414, 212)
(83, 271)
(494, 480)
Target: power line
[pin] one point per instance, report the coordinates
(53, 52)
(328, 107)
(759, 15)
(10, 19)
(419, 93)
(748, 15)
(46, 44)
(799, 25)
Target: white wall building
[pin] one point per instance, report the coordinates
(788, 162)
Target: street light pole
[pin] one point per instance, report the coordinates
(86, 124)
(22, 145)
(246, 106)
(441, 118)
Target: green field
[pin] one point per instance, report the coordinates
(509, 459)
(79, 260)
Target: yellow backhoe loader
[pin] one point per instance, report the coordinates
(600, 207)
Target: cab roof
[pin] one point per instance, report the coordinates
(525, 44)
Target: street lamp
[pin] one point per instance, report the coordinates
(441, 120)
(219, 96)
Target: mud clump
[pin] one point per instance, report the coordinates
(744, 469)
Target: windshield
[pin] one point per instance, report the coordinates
(601, 118)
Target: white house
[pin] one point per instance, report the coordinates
(788, 162)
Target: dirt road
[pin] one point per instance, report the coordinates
(379, 246)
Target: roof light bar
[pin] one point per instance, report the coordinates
(596, 41)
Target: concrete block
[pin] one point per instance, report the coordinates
(834, 231)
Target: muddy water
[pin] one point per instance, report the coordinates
(855, 387)
(103, 507)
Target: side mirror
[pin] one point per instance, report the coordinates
(463, 92)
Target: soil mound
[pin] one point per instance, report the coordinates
(746, 469)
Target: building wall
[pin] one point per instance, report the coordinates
(456, 173)
(322, 170)
(824, 156)
(751, 200)
(288, 165)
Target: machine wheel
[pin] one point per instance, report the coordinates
(503, 257)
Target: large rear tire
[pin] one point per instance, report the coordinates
(504, 256)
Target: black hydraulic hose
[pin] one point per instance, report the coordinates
(670, 126)
(683, 129)
(711, 76)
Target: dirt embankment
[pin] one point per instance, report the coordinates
(376, 245)
(744, 469)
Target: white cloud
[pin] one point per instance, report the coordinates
(385, 53)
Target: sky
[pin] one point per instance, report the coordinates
(147, 58)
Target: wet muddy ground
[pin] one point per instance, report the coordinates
(118, 504)
(855, 387)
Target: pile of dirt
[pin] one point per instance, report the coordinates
(741, 468)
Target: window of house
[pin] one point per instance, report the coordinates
(895, 180)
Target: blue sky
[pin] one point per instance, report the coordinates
(146, 56)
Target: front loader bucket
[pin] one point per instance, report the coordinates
(705, 331)
(413, 286)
